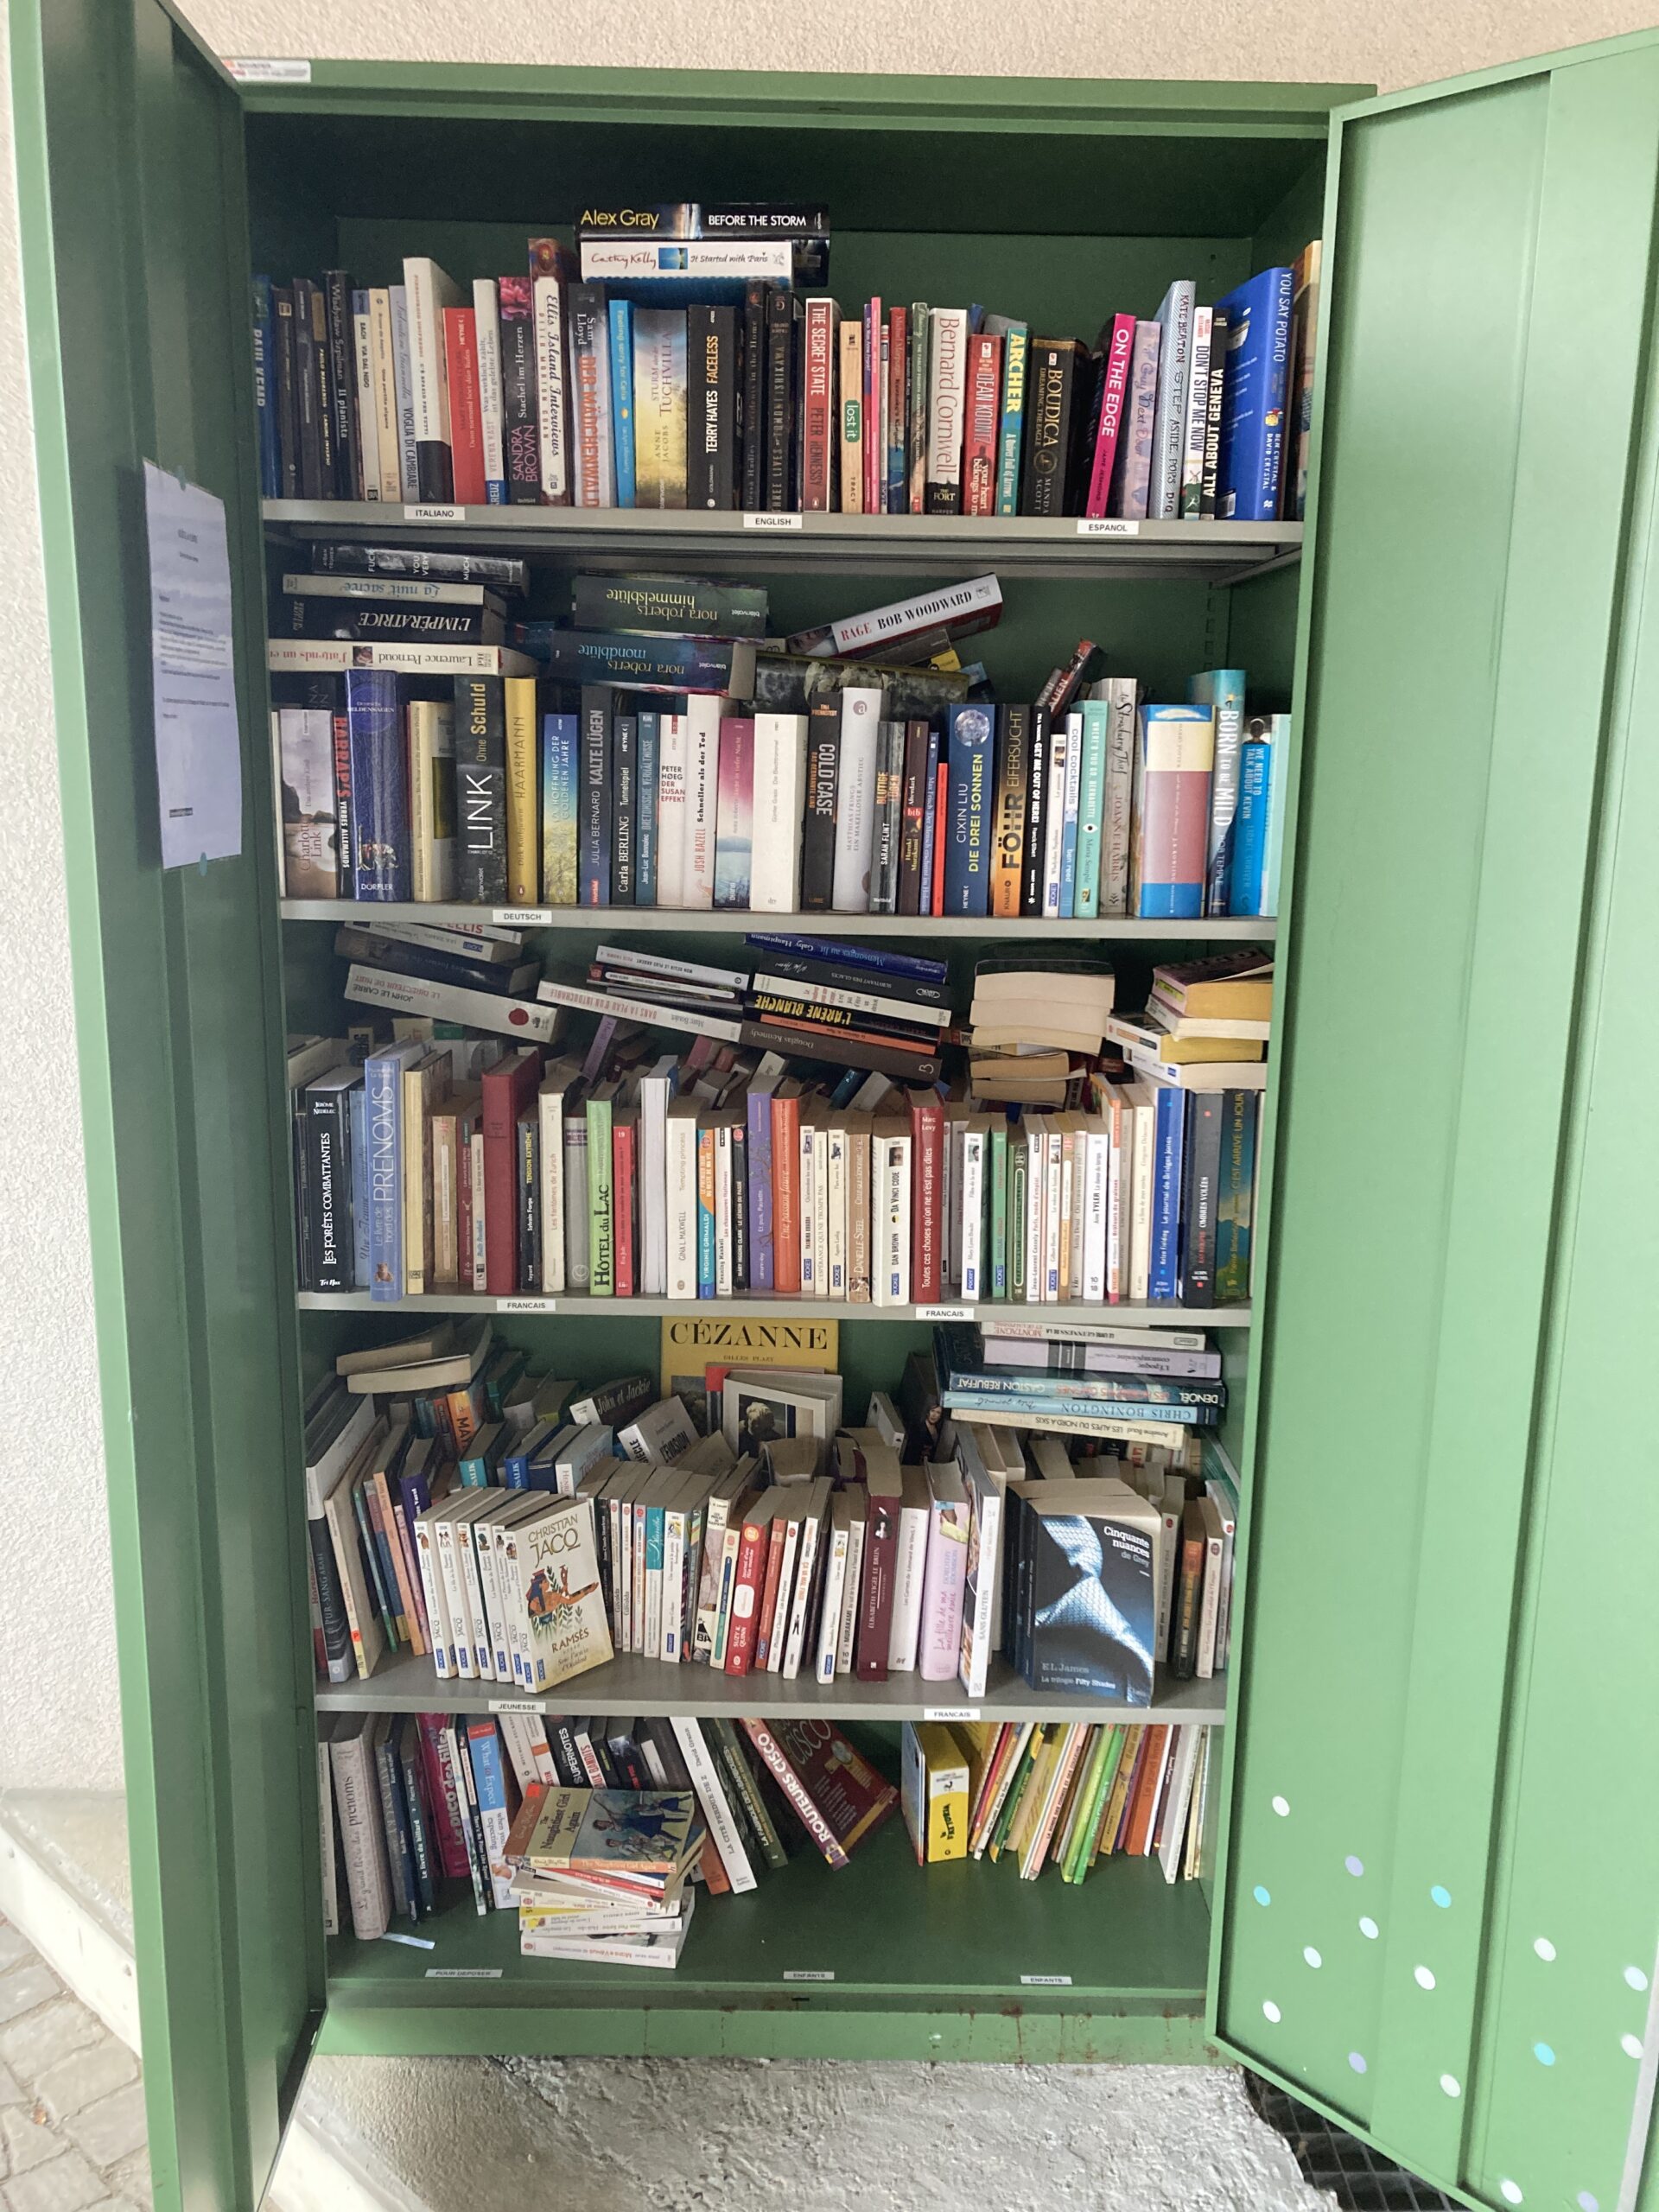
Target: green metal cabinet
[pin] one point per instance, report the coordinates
(1437, 1906)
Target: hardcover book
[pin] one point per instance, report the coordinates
(1253, 397)
(1085, 1588)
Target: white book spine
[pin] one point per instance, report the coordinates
(674, 744)
(550, 1117)
(701, 796)
(836, 1196)
(403, 373)
(429, 292)
(1123, 695)
(1140, 1171)
(1059, 752)
(982, 1630)
(455, 1609)
(778, 1625)
(1036, 1202)
(947, 332)
(622, 1572)
(891, 1181)
(653, 1185)
(645, 1581)
(552, 396)
(867, 634)
(807, 1177)
(821, 1208)
(1209, 1609)
(1096, 1217)
(1198, 408)
(723, 1270)
(1169, 413)
(973, 1212)
(711, 1798)
(1054, 1222)
(800, 1611)
(469, 1555)
(486, 322)
(861, 714)
(779, 802)
(667, 1641)
(682, 1183)
(851, 1585)
(835, 1586)
(1077, 1173)
(357, 1796)
(909, 1570)
(437, 1611)
(368, 445)
(518, 1610)
(950, 1209)
(789, 987)
(523, 1020)
(1120, 1140)
(1073, 807)
(509, 1665)
(388, 437)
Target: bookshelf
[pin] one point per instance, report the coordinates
(1462, 1063)
(951, 928)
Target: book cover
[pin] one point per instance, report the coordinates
(853, 819)
(1222, 690)
(711, 427)
(623, 370)
(560, 799)
(594, 797)
(430, 290)
(849, 418)
(432, 798)
(592, 455)
(845, 1793)
(1169, 417)
(1054, 383)
(660, 405)
(982, 423)
(970, 763)
(1253, 397)
(480, 740)
(947, 329)
(734, 815)
(1198, 408)
(625, 808)
(779, 810)
(818, 425)
(486, 337)
(465, 415)
(380, 824)
(640, 663)
(567, 1628)
(1168, 859)
(1087, 1590)
(1117, 344)
(1131, 492)
(520, 403)
(309, 825)
(1235, 1196)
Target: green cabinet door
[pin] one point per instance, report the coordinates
(131, 190)
(1439, 1902)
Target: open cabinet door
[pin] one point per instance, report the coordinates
(131, 192)
(1440, 1893)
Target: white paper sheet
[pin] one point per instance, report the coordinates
(198, 751)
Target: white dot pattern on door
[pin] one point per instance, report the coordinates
(1281, 1807)
(1367, 1927)
(1544, 1947)
(1312, 1955)
(1510, 2192)
(1422, 1977)
(1636, 1978)
(1630, 2045)
(1271, 2012)
(1451, 2084)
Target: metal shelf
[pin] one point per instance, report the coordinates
(578, 1307)
(631, 1685)
(702, 922)
(619, 538)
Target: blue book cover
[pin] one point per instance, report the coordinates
(645, 830)
(968, 797)
(380, 826)
(1223, 690)
(490, 1782)
(264, 390)
(930, 819)
(1164, 1272)
(383, 1080)
(1250, 823)
(1092, 808)
(843, 1094)
(407, 1744)
(759, 1148)
(358, 1104)
(594, 821)
(622, 398)
(560, 786)
(1253, 399)
(850, 955)
(515, 1464)
(638, 661)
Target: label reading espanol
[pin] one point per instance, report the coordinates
(524, 917)
(806, 1973)
(282, 70)
(526, 1306)
(951, 1712)
(945, 1313)
(1107, 526)
(431, 512)
(1046, 1981)
(770, 522)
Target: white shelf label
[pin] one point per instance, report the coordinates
(434, 513)
(1046, 1981)
(945, 1313)
(806, 1973)
(1107, 526)
(517, 1704)
(526, 1305)
(951, 1712)
(772, 522)
(280, 72)
(528, 918)
(463, 1973)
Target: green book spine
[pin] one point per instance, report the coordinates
(997, 1272)
(1235, 1196)
(1091, 805)
(1019, 1178)
(601, 1247)
(1086, 1840)
(1028, 1759)
(735, 1769)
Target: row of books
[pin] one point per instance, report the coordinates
(638, 383)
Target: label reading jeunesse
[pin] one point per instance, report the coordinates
(517, 1704)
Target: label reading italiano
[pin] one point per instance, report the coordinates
(526, 1306)
(770, 522)
(516, 1704)
(271, 72)
(945, 1313)
(434, 513)
(525, 918)
(1046, 1981)
(806, 1973)
(463, 1973)
(1107, 526)
(951, 1712)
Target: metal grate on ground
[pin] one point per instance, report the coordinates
(1358, 2177)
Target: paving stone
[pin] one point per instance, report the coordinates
(131, 2180)
(11, 2090)
(38, 2041)
(67, 2184)
(29, 2141)
(14, 1946)
(112, 2129)
(82, 2079)
(26, 1986)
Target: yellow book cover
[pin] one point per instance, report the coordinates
(691, 1345)
(659, 407)
(1127, 1763)
(524, 809)
(934, 1792)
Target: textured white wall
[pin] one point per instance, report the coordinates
(57, 1723)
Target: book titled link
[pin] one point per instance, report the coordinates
(762, 520)
(1107, 526)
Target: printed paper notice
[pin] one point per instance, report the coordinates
(198, 750)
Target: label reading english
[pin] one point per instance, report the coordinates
(770, 522)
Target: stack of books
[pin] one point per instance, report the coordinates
(685, 357)
(604, 1874)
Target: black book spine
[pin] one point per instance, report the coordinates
(342, 383)
(561, 1737)
(331, 1596)
(625, 804)
(286, 365)
(1218, 328)
(798, 405)
(323, 368)
(754, 398)
(870, 980)
(328, 1188)
(711, 440)
(889, 816)
(520, 429)
(482, 789)
(415, 560)
(780, 399)
(1201, 1182)
(818, 825)
(304, 1270)
(912, 815)
(1091, 390)
(1031, 889)
(530, 1209)
(345, 805)
(1051, 440)
(740, 1277)
(306, 390)
(305, 617)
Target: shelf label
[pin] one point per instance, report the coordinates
(945, 1313)
(526, 1306)
(772, 522)
(463, 1973)
(806, 1973)
(280, 72)
(1046, 1981)
(432, 513)
(1107, 526)
(951, 1712)
(525, 918)
(517, 1704)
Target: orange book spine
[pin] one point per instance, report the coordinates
(786, 1197)
(1146, 1783)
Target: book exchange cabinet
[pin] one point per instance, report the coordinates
(1435, 1898)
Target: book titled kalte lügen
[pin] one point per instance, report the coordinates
(380, 833)
(1253, 395)
(641, 663)
(1085, 1588)
(971, 768)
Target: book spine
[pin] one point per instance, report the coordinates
(795, 1790)
(780, 386)
(520, 404)
(947, 374)
(286, 371)
(595, 798)
(713, 1802)
(403, 369)
(1069, 820)
(1038, 801)
(523, 827)
(1114, 398)
(465, 424)
(1220, 322)
(1224, 690)
(926, 1222)
(552, 390)
(1198, 409)
(1051, 435)
(380, 787)
(561, 806)
(981, 424)
(366, 397)
(1235, 1200)
(264, 390)
(734, 814)
(434, 466)
(1200, 1176)
(971, 767)
(482, 789)
(930, 890)
(660, 426)
(1163, 1262)
(754, 396)
(894, 461)
(1171, 811)
(711, 455)
(817, 427)
(487, 328)
(1016, 350)
(1169, 420)
(625, 808)
(849, 417)
(818, 822)
(875, 1610)
(342, 384)
(916, 395)
(1091, 798)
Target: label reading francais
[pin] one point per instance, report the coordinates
(526, 1306)
(1107, 526)
(945, 1313)
(463, 1973)
(806, 1973)
(772, 522)
(434, 513)
(951, 1712)
(525, 918)
(1046, 1981)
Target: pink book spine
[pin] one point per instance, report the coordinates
(944, 1581)
(442, 1795)
(874, 482)
(1119, 348)
(735, 813)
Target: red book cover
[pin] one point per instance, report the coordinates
(853, 1798)
(818, 408)
(1119, 348)
(941, 814)
(811, 1814)
(466, 419)
(509, 1089)
(625, 1144)
(885, 1492)
(441, 1797)
(876, 461)
(786, 1191)
(1144, 1802)
(926, 1196)
(981, 422)
(746, 1591)
(765, 1618)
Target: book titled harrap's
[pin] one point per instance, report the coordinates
(1090, 1601)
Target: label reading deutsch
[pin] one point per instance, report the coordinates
(770, 522)
(432, 513)
(527, 917)
(280, 72)
(806, 1973)
(526, 1306)
(1046, 1981)
(945, 1313)
(1107, 526)
(463, 1973)
(950, 1712)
